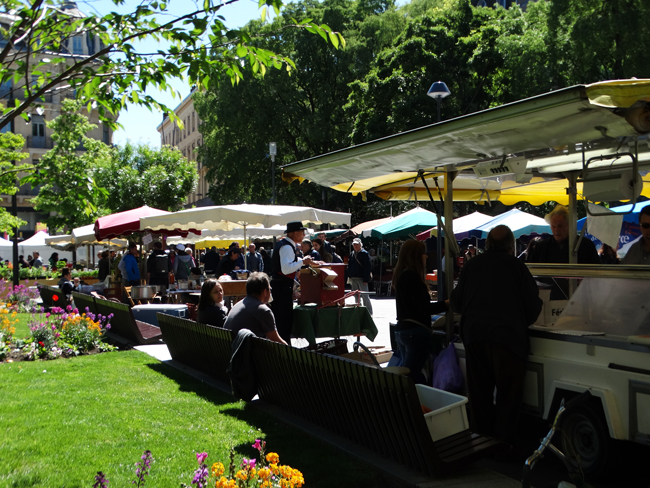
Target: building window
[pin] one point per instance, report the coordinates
(90, 42)
(105, 134)
(5, 89)
(193, 125)
(77, 45)
(38, 127)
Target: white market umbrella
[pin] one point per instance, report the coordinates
(85, 236)
(226, 235)
(231, 217)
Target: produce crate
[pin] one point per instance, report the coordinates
(448, 415)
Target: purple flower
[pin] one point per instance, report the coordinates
(100, 481)
(201, 477)
(143, 468)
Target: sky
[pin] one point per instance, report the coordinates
(139, 123)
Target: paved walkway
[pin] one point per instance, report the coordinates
(397, 476)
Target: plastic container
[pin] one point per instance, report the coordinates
(147, 313)
(448, 415)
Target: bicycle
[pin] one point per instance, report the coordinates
(573, 467)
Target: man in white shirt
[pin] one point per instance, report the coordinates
(284, 266)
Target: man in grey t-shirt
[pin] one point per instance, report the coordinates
(639, 252)
(252, 312)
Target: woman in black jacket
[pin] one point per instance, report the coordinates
(414, 309)
(211, 308)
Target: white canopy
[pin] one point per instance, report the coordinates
(232, 235)
(521, 223)
(37, 243)
(81, 236)
(230, 217)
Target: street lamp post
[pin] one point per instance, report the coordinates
(273, 150)
(438, 91)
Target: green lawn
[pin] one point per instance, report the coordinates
(62, 421)
(22, 327)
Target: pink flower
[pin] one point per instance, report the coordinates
(257, 444)
(200, 457)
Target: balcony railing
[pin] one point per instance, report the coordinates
(40, 142)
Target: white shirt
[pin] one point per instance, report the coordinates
(287, 256)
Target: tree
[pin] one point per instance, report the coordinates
(141, 175)
(302, 111)
(10, 145)
(68, 192)
(35, 54)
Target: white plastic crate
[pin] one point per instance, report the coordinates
(448, 415)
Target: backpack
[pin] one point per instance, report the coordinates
(161, 264)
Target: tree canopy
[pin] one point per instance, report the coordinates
(36, 58)
(68, 192)
(141, 175)
(376, 86)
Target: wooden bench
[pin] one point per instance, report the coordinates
(83, 302)
(47, 295)
(125, 325)
(203, 347)
(373, 408)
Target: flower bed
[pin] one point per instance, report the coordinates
(59, 333)
(268, 473)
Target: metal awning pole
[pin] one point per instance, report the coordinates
(573, 224)
(450, 239)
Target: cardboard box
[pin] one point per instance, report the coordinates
(448, 415)
(382, 356)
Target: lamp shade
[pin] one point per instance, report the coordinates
(438, 90)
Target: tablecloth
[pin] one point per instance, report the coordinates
(310, 323)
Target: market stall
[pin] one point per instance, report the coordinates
(585, 141)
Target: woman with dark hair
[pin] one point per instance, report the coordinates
(413, 339)
(319, 247)
(54, 258)
(211, 308)
(308, 250)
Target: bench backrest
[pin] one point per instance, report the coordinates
(203, 347)
(47, 295)
(123, 323)
(376, 409)
(83, 302)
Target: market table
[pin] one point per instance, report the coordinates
(309, 322)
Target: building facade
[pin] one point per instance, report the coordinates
(187, 141)
(38, 138)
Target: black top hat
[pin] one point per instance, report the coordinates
(294, 226)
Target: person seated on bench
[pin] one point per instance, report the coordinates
(65, 285)
(252, 312)
(211, 308)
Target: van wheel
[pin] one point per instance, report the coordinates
(585, 437)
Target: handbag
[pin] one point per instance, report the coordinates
(447, 374)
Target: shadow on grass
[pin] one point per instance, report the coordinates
(187, 383)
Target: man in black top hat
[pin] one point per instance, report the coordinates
(284, 266)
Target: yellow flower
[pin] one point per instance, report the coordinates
(274, 468)
(264, 473)
(218, 469)
(223, 482)
(241, 475)
(273, 458)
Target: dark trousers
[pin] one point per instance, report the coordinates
(282, 307)
(491, 365)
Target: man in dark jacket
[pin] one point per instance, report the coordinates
(211, 261)
(158, 266)
(359, 271)
(498, 299)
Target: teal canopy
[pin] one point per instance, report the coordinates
(404, 226)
